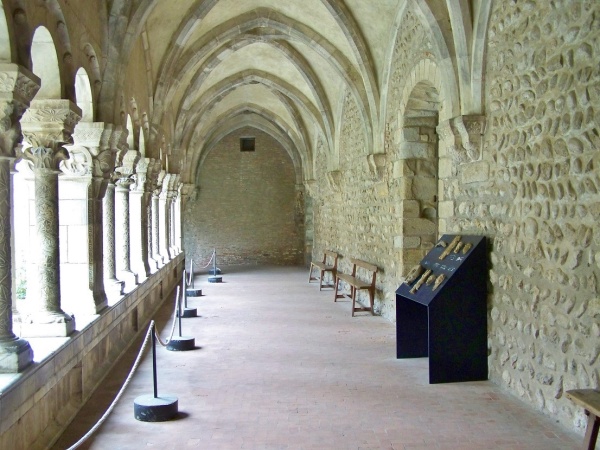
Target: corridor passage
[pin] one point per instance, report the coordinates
(281, 366)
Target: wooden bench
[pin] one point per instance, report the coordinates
(589, 399)
(356, 283)
(329, 264)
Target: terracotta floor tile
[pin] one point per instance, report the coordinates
(281, 366)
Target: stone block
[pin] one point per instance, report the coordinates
(475, 172)
(445, 167)
(410, 208)
(417, 150)
(402, 169)
(407, 242)
(446, 209)
(381, 190)
(416, 227)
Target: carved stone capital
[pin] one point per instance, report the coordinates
(312, 188)
(141, 175)
(128, 164)
(160, 183)
(463, 137)
(154, 167)
(17, 83)
(47, 125)
(334, 180)
(164, 193)
(188, 191)
(377, 163)
(17, 87)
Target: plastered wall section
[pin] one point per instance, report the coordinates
(247, 205)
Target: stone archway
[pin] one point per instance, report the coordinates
(419, 162)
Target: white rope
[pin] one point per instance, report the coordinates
(191, 276)
(86, 436)
(175, 315)
(211, 258)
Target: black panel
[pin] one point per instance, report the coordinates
(448, 323)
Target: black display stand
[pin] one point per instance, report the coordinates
(448, 324)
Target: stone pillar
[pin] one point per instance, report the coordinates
(178, 201)
(163, 220)
(154, 260)
(47, 125)
(138, 206)
(17, 88)
(82, 188)
(113, 286)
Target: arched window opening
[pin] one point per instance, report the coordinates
(45, 64)
(83, 92)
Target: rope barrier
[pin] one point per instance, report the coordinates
(190, 281)
(86, 436)
(164, 344)
(211, 258)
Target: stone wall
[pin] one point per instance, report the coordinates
(542, 206)
(532, 189)
(247, 205)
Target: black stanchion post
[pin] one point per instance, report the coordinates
(215, 278)
(152, 408)
(192, 291)
(154, 376)
(187, 312)
(180, 343)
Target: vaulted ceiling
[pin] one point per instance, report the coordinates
(283, 67)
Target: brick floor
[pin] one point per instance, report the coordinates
(281, 366)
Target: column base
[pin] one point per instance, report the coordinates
(50, 325)
(15, 355)
(129, 278)
(114, 287)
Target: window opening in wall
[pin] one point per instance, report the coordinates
(247, 144)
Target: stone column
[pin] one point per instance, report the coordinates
(113, 286)
(122, 220)
(138, 206)
(178, 244)
(83, 185)
(163, 219)
(152, 215)
(47, 125)
(156, 255)
(17, 88)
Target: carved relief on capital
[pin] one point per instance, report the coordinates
(164, 183)
(312, 188)
(463, 137)
(141, 174)
(18, 83)
(188, 191)
(127, 167)
(46, 126)
(17, 87)
(334, 180)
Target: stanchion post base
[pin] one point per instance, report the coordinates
(188, 312)
(214, 272)
(215, 279)
(193, 292)
(148, 408)
(181, 343)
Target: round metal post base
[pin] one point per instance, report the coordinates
(181, 343)
(188, 312)
(214, 272)
(193, 292)
(148, 408)
(215, 279)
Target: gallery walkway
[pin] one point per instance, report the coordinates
(281, 366)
